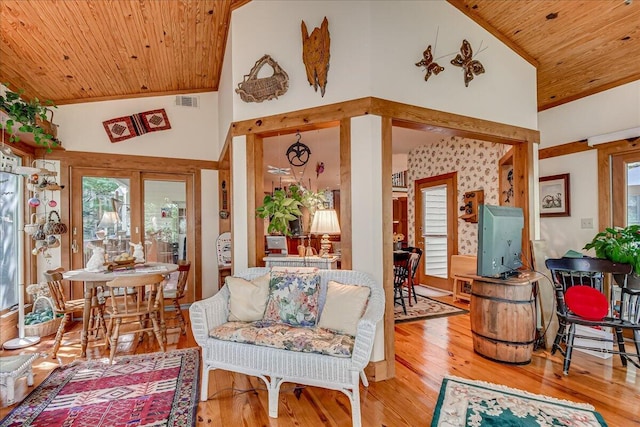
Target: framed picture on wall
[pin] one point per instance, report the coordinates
(554, 195)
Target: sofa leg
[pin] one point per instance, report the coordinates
(365, 380)
(356, 416)
(273, 387)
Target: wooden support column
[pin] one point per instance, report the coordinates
(346, 235)
(523, 182)
(255, 195)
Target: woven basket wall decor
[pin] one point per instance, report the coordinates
(255, 89)
(54, 225)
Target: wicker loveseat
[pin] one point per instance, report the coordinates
(277, 365)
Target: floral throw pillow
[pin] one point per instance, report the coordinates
(293, 298)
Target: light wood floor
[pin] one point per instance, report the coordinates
(426, 352)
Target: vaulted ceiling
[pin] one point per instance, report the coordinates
(80, 50)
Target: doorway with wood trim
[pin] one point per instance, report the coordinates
(436, 228)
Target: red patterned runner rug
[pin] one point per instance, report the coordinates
(157, 389)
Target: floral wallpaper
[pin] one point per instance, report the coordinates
(476, 163)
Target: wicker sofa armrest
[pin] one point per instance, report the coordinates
(209, 313)
(366, 331)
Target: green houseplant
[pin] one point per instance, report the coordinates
(27, 116)
(620, 244)
(281, 207)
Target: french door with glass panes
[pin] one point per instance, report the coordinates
(112, 210)
(436, 228)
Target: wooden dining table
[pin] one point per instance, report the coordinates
(93, 279)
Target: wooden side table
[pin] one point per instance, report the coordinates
(461, 267)
(12, 368)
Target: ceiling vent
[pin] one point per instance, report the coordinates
(188, 101)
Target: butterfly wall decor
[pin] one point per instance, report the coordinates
(469, 65)
(427, 62)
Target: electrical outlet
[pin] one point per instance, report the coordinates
(586, 223)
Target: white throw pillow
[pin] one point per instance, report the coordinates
(344, 307)
(247, 299)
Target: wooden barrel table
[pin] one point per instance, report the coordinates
(503, 318)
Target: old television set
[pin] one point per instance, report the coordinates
(277, 245)
(499, 241)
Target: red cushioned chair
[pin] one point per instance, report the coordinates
(580, 299)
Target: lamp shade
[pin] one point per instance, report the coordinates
(325, 222)
(108, 219)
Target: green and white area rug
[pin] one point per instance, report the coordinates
(425, 308)
(465, 402)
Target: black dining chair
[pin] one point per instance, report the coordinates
(581, 300)
(400, 277)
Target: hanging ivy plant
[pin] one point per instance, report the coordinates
(281, 207)
(26, 116)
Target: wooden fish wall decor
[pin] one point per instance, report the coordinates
(430, 66)
(315, 55)
(469, 65)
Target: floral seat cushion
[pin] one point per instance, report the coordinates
(286, 337)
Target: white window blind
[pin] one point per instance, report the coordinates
(435, 231)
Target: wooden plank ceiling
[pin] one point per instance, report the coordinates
(579, 47)
(79, 50)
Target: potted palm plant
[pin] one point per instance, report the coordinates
(28, 117)
(622, 245)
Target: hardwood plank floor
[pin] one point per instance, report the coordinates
(426, 352)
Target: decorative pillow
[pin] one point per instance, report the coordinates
(293, 298)
(586, 302)
(247, 299)
(344, 307)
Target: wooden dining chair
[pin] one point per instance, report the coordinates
(414, 262)
(581, 300)
(173, 295)
(67, 307)
(134, 300)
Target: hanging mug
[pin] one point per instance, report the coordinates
(52, 203)
(34, 201)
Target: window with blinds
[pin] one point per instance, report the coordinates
(435, 231)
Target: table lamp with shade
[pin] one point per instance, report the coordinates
(109, 219)
(325, 222)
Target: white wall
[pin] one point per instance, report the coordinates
(274, 28)
(239, 214)
(564, 233)
(193, 133)
(609, 111)
(374, 48)
(402, 30)
(602, 113)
